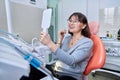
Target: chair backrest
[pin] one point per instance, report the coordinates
(99, 54)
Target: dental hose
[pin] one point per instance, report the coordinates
(35, 62)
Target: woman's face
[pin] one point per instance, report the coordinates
(74, 25)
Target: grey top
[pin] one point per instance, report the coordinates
(72, 61)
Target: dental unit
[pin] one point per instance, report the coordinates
(23, 55)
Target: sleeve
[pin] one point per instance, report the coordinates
(77, 55)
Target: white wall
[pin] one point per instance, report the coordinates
(115, 26)
(93, 10)
(38, 3)
(90, 8)
(94, 7)
(67, 7)
(109, 3)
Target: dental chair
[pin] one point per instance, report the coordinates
(97, 61)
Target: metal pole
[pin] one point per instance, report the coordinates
(8, 14)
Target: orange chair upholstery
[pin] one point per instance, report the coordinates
(94, 27)
(99, 54)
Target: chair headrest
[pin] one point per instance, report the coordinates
(94, 27)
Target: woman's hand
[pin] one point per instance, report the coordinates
(45, 38)
(62, 34)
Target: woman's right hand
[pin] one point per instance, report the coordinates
(62, 34)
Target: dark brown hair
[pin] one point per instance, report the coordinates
(82, 18)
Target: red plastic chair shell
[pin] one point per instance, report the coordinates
(99, 55)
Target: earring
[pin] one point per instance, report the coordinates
(83, 27)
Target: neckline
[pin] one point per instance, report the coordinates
(74, 44)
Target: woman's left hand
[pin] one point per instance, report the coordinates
(45, 38)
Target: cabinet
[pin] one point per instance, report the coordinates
(112, 55)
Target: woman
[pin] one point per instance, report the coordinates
(72, 50)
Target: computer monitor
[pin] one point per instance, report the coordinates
(26, 19)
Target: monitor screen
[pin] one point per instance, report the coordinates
(26, 20)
